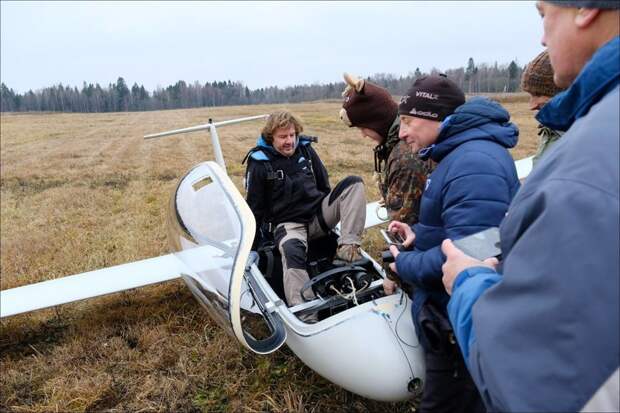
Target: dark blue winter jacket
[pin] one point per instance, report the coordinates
(469, 191)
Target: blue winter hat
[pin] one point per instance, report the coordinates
(588, 4)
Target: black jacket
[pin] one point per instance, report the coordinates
(296, 192)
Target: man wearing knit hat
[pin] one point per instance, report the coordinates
(469, 191)
(399, 172)
(537, 81)
(543, 334)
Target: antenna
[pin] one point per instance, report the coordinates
(211, 127)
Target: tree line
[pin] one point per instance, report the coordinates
(119, 97)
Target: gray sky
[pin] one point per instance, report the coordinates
(258, 43)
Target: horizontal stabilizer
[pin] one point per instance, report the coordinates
(206, 126)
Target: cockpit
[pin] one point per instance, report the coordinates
(207, 225)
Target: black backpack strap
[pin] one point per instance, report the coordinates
(381, 154)
(267, 246)
(266, 249)
(271, 176)
(306, 153)
(268, 193)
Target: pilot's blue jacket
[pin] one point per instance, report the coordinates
(543, 335)
(469, 191)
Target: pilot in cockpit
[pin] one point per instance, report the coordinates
(288, 190)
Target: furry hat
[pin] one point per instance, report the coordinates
(367, 105)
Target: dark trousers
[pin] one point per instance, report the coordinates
(449, 387)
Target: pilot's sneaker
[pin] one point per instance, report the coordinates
(348, 253)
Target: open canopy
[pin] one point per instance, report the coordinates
(211, 228)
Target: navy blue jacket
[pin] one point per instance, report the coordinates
(469, 191)
(543, 336)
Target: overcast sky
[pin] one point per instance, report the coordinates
(258, 43)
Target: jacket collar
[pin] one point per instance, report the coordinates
(597, 78)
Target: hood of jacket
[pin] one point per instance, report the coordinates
(478, 119)
(597, 78)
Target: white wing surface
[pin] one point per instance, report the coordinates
(375, 214)
(524, 167)
(104, 281)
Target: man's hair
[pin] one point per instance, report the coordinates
(282, 119)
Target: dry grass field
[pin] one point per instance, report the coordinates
(84, 191)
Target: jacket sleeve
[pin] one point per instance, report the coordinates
(255, 186)
(476, 196)
(421, 268)
(468, 286)
(547, 322)
(320, 173)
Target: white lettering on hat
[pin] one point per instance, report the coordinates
(421, 113)
(426, 95)
(404, 99)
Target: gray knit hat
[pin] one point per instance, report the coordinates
(588, 4)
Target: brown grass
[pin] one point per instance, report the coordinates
(84, 191)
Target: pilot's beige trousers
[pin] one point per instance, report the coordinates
(345, 203)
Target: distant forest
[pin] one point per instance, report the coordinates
(119, 97)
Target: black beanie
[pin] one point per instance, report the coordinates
(432, 97)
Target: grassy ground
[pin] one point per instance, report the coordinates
(85, 191)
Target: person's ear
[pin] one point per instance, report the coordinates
(585, 17)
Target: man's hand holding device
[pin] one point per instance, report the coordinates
(477, 250)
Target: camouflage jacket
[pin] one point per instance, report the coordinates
(547, 137)
(402, 176)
